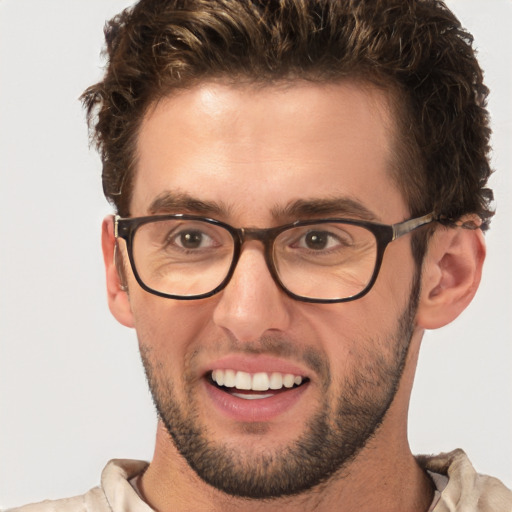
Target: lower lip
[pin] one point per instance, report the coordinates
(252, 411)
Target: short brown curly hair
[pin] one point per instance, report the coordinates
(416, 49)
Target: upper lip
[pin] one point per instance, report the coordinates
(256, 364)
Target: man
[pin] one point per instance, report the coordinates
(300, 191)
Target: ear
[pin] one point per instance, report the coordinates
(118, 300)
(451, 273)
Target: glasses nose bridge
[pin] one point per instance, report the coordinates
(264, 235)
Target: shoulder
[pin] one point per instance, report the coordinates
(466, 489)
(114, 494)
(94, 500)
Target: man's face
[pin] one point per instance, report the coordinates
(250, 157)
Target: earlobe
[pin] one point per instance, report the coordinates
(451, 273)
(118, 300)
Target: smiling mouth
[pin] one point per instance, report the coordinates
(255, 386)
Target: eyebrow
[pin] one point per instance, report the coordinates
(332, 207)
(168, 202)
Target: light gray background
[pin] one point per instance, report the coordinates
(72, 391)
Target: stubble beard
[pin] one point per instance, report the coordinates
(332, 438)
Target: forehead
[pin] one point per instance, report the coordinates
(253, 150)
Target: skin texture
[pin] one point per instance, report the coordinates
(247, 154)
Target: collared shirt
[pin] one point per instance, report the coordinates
(459, 488)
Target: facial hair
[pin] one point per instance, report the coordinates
(332, 438)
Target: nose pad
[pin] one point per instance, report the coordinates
(252, 302)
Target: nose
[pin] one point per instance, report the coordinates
(252, 303)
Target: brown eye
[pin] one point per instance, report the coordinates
(191, 239)
(316, 240)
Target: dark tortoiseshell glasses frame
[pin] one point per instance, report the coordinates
(384, 234)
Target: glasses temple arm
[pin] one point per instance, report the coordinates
(402, 228)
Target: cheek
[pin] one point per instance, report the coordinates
(351, 333)
(397, 272)
(169, 328)
(344, 327)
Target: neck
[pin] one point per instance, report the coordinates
(384, 476)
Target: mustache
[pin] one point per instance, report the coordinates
(281, 346)
(276, 345)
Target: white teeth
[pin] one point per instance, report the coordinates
(252, 397)
(276, 381)
(229, 378)
(218, 377)
(260, 381)
(243, 380)
(288, 380)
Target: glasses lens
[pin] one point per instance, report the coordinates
(182, 257)
(326, 260)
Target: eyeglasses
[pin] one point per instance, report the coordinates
(188, 257)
